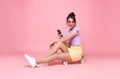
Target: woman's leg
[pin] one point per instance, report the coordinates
(52, 55)
(58, 45)
(60, 56)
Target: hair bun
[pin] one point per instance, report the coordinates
(71, 14)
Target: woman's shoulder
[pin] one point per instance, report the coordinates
(77, 28)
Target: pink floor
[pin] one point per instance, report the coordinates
(95, 67)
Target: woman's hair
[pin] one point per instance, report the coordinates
(71, 15)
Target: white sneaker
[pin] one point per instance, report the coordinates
(65, 63)
(31, 60)
(82, 61)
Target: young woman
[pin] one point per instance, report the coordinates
(69, 44)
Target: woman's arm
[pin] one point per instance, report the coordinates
(66, 38)
(70, 36)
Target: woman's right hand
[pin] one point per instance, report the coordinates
(51, 45)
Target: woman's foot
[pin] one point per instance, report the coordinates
(31, 60)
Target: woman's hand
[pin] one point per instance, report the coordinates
(59, 40)
(51, 45)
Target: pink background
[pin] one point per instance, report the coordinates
(30, 25)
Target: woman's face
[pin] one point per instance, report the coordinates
(70, 22)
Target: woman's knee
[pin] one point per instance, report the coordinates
(59, 44)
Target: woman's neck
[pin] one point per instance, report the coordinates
(71, 28)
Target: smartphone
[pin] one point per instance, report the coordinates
(59, 33)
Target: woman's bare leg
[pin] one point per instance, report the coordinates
(58, 45)
(60, 56)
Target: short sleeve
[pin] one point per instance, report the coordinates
(77, 29)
